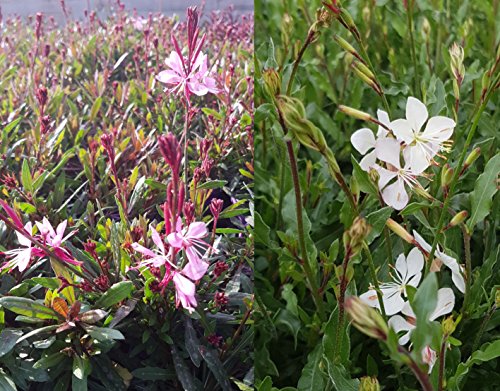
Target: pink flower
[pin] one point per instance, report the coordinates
(190, 78)
(55, 239)
(191, 240)
(185, 291)
(20, 257)
(156, 258)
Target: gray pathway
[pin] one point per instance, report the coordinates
(77, 7)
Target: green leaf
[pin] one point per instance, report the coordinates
(312, 378)
(47, 282)
(226, 214)
(485, 188)
(188, 382)
(8, 339)
(153, 373)
(6, 383)
(377, 222)
(489, 351)
(28, 307)
(26, 178)
(192, 343)
(215, 365)
(95, 108)
(37, 331)
(330, 338)
(212, 184)
(366, 185)
(423, 304)
(340, 378)
(118, 292)
(81, 370)
(103, 334)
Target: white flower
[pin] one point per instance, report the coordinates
(20, 257)
(456, 269)
(394, 194)
(444, 305)
(421, 147)
(408, 272)
(363, 141)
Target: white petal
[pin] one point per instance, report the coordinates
(415, 262)
(408, 311)
(388, 150)
(401, 267)
(363, 140)
(416, 158)
(420, 240)
(445, 303)
(402, 130)
(393, 302)
(368, 161)
(439, 128)
(384, 176)
(416, 113)
(370, 298)
(383, 118)
(23, 240)
(459, 281)
(398, 323)
(395, 195)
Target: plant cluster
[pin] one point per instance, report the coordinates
(126, 187)
(376, 179)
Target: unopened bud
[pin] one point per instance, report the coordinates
(368, 383)
(302, 129)
(324, 18)
(446, 175)
(272, 81)
(485, 81)
(448, 326)
(459, 218)
(476, 152)
(457, 62)
(354, 237)
(345, 45)
(366, 319)
(400, 231)
(423, 193)
(426, 28)
(355, 113)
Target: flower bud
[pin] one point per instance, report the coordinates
(459, 218)
(476, 152)
(446, 175)
(366, 319)
(456, 62)
(400, 231)
(355, 113)
(426, 28)
(303, 130)
(369, 383)
(423, 193)
(354, 237)
(345, 45)
(448, 326)
(272, 81)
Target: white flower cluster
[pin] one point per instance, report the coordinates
(406, 141)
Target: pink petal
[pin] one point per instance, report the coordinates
(196, 230)
(143, 250)
(157, 240)
(168, 77)
(185, 292)
(195, 270)
(23, 240)
(175, 240)
(192, 255)
(12, 214)
(174, 62)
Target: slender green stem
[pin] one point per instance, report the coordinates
(341, 300)
(307, 42)
(442, 356)
(409, 13)
(374, 278)
(300, 230)
(457, 172)
(468, 269)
